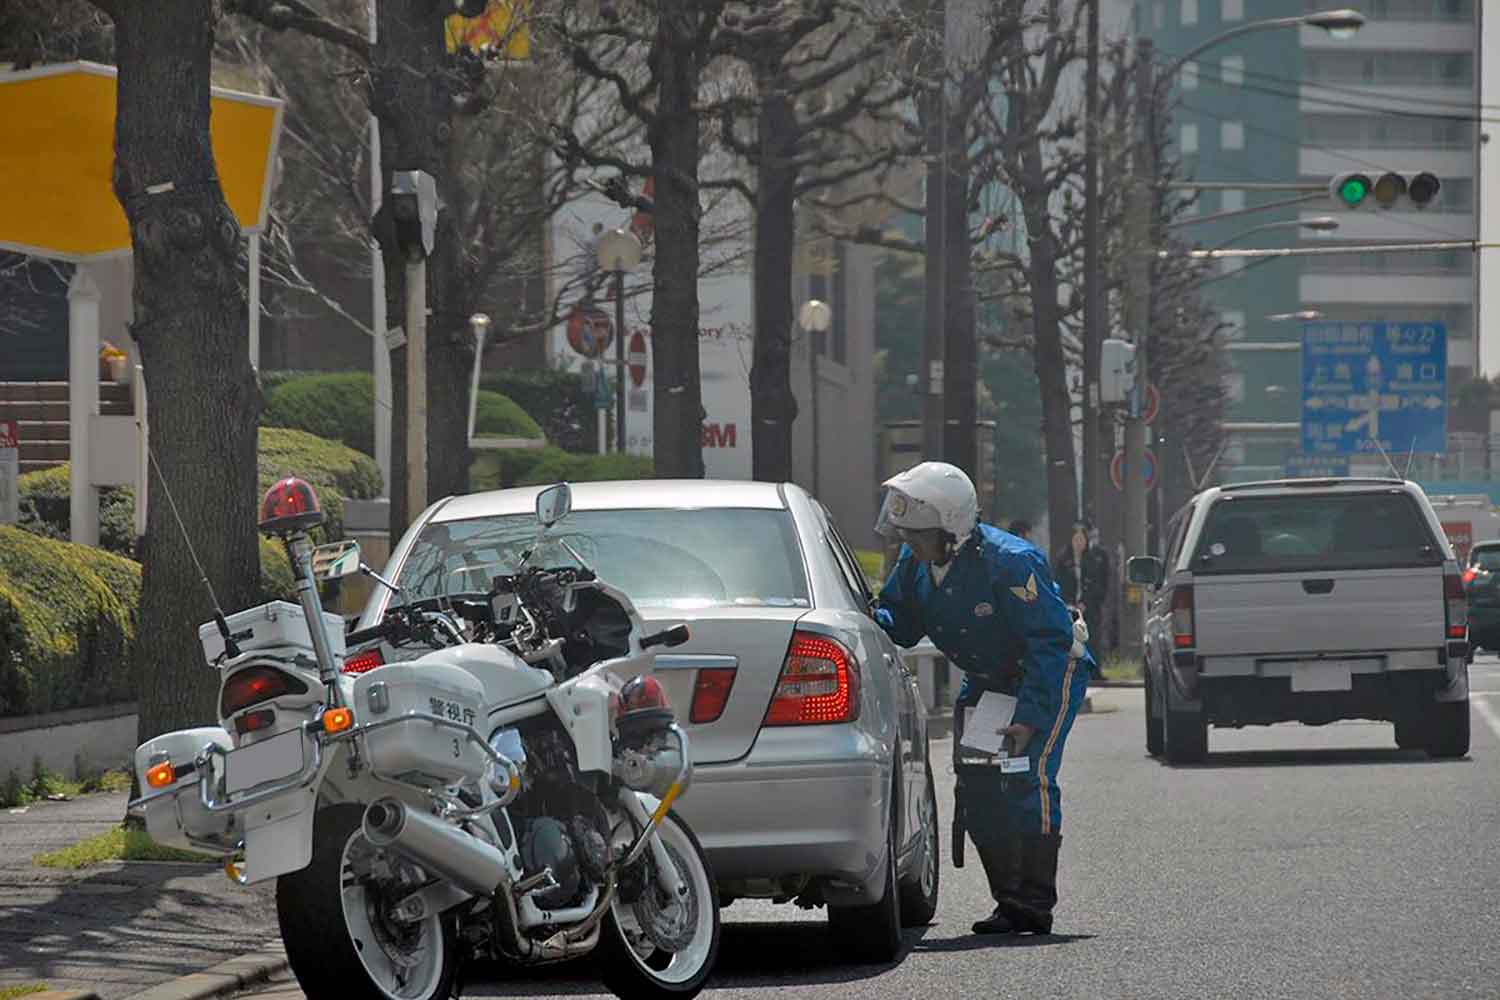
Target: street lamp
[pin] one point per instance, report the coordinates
(1340, 23)
(479, 323)
(1316, 223)
(815, 317)
(619, 252)
(1303, 315)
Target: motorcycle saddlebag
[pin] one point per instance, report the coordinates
(178, 818)
(416, 749)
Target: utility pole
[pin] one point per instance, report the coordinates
(1138, 225)
(931, 379)
(1094, 438)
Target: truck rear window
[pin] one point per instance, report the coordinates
(1320, 532)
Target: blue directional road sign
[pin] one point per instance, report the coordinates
(1368, 387)
(1316, 466)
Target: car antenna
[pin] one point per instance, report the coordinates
(231, 648)
(1411, 455)
(1386, 455)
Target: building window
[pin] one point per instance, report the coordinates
(1231, 135)
(1189, 13)
(1159, 15)
(1231, 200)
(1233, 10)
(1229, 265)
(1232, 71)
(1189, 76)
(1189, 141)
(1234, 386)
(1232, 322)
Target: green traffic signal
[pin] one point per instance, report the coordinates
(1354, 189)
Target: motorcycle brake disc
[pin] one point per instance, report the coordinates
(668, 923)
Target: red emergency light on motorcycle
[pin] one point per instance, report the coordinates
(288, 507)
(643, 707)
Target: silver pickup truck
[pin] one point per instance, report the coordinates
(1305, 600)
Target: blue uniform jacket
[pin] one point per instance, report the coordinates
(996, 607)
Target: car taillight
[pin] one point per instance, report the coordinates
(254, 685)
(363, 663)
(1182, 617)
(711, 694)
(1470, 574)
(1458, 606)
(819, 684)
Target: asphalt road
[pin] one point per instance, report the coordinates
(1296, 862)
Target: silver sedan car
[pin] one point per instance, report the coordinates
(812, 780)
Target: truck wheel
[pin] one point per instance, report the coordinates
(1409, 734)
(1187, 737)
(1448, 729)
(1156, 736)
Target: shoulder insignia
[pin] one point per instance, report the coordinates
(1027, 593)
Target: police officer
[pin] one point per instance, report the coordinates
(987, 600)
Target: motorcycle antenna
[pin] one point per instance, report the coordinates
(231, 648)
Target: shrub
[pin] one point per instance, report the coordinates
(497, 415)
(67, 624)
(45, 508)
(495, 470)
(335, 471)
(559, 401)
(339, 406)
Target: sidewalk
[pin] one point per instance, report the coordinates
(118, 928)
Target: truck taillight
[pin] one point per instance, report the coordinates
(819, 684)
(1182, 617)
(1457, 605)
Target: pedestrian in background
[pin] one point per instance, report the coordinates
(1083, 579)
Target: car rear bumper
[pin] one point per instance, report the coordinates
(1262, 700)
(806, 802)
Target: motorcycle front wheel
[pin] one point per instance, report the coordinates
(633, 962)
(340, 940)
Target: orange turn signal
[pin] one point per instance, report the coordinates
(336, 720)
(161, 775)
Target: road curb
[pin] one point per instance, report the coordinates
(62, 995)
(220, 980)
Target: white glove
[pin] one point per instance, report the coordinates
(1080, 637)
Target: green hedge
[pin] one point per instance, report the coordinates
(335, 471)
(559, 401)
(340, 406)
(46, 505)
(67, 624)
(493, 470)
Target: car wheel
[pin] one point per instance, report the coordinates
(1448, 729)
(919, 889)
(1186, 737)
(871, 933)
(1156, 736)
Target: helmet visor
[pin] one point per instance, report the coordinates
(900, 514)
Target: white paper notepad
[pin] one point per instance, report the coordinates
(983, 722)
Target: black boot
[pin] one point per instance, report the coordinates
(1031, 910)
(1002, 867)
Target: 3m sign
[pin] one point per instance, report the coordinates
(719, 436)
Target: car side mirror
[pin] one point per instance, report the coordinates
(1146, 571)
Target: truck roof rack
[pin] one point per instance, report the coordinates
(1311, 483)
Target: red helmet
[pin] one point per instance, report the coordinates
(289, 505)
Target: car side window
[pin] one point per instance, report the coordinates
(1177, 531)
(854, 577)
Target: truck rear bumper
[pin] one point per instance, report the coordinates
(1384, 695)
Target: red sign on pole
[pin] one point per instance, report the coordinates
(635, 359)
(10, 434)
(1117, 470)
(590, 330)
(1152, 404)
(1461, 537)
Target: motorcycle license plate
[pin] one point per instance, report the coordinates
(271, 760)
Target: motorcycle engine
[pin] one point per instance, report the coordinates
(546, 844)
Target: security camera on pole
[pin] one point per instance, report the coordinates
(414, 209)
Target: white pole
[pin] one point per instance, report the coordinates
(381, 353)
(416, 387)
(83, 401)
(254, 282)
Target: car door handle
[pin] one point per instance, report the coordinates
(1317, 586)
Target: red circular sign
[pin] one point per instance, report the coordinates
(1117, 470)
(635, 358)
(589, 330)
(1152, 405)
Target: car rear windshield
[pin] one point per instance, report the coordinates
(1317, 532)
(674, 558)
(1486, 559)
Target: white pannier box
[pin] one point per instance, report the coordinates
(417, 749)
(279, 624)
(179, 819)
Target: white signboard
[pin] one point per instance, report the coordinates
(725, 333)
(10, 472)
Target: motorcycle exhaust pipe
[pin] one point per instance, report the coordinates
(466, 861)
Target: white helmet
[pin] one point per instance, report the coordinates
(927, 496)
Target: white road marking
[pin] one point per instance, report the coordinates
(1488, 714)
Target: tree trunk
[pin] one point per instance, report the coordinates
(677, 425)
(961, 348)
(190, 324)
(773, 406)
(412, 99)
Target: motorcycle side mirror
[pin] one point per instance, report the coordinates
(553, 504)
(335, 560)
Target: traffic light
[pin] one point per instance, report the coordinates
(1353, 190)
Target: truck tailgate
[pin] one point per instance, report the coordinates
(1270, 614)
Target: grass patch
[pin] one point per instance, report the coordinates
(119, 844)
(20, 990)
(872, 564)
(14, 791)
(1120, 668)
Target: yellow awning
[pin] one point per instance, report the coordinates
(57, 148)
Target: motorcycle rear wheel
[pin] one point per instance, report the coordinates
(338, 944)
(634, 968)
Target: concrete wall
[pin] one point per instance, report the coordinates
(73, 744)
